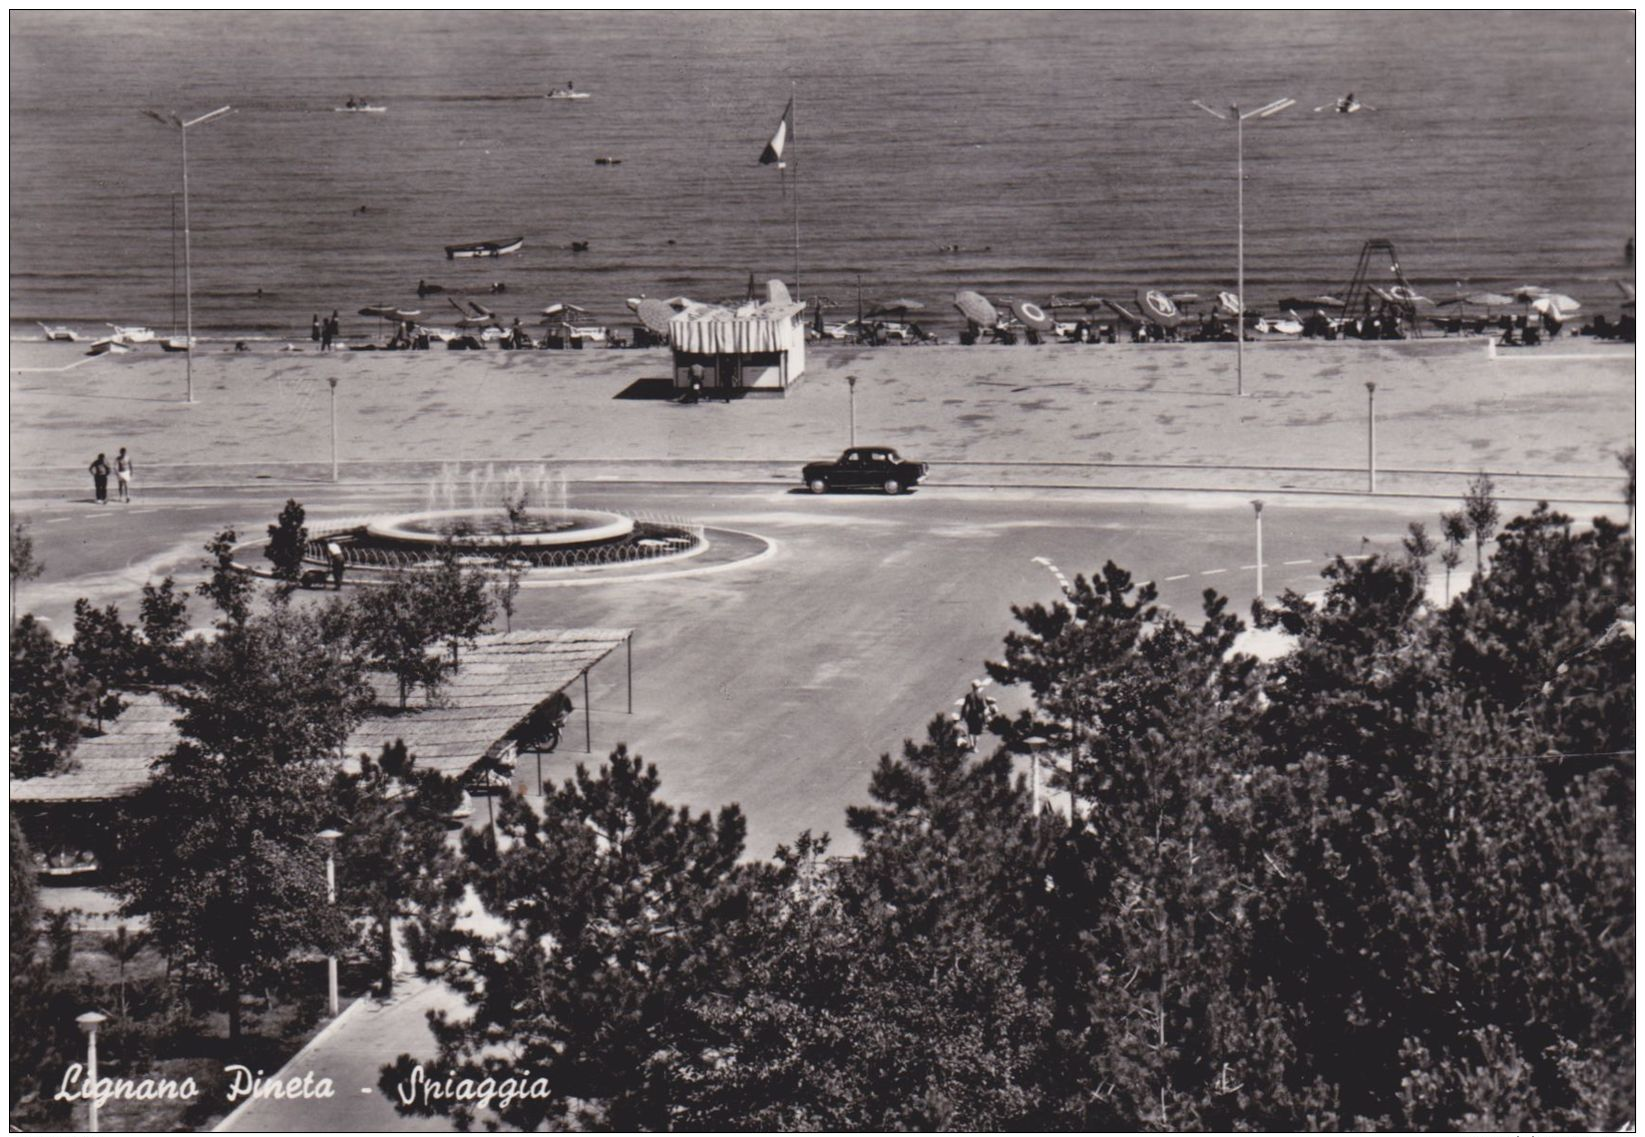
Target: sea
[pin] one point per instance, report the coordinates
(1019, 154)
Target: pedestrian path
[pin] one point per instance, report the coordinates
(366, 1036)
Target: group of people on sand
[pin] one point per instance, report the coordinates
(100, 471)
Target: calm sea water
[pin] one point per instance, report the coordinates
(1059, 150)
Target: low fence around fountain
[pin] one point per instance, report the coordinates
(654, 537)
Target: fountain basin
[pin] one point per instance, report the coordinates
(486, 529)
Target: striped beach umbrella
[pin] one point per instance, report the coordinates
(976, 308)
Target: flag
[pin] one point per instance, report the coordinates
(779, 139)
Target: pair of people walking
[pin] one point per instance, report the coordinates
(122, 471)
(325, 331)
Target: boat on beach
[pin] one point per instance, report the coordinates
(486, 248)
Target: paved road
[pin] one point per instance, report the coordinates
(778, 685)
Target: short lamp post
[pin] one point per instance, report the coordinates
(89, 1022)
(330, 837)
(1256, 504)
(1371, 434)
(332, 379)
(1035, 745)
(182, 128)
(851, 382)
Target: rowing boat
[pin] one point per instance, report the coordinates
(486, 248)
(564, 94)
(360, 110)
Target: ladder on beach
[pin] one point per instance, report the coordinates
(1364, 299)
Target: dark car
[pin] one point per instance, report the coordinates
(870, 467)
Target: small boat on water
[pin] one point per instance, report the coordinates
(565, 93)
(360, 108)
(486, 248)
(608, 161)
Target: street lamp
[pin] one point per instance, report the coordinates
(330, 837)
(1272, 108)
(1371, 433)
(1256, 504)
(332, 379)
(89, 1022)
(1035, 745)
(182, 128)
(851, 381)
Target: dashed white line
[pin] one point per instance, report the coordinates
(1304, 561)
(1248, 568)
(1179, 576)
(1212, 572)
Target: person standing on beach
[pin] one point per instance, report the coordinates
(122, 471)
(336, 329)
(325, 334)
(314, 330)
(100, 479)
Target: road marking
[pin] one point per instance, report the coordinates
(1248, 568)
(1360, 557)
(1179, 576)
(1304, 561)
(58, 520)
(1212, 572)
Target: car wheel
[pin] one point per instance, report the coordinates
(818, 486)
(893, 486)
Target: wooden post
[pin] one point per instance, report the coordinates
(588, 726)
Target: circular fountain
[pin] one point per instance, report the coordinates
(486, 529)
(516, 518)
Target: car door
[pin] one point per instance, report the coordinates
(850, 469)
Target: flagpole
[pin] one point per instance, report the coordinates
(793, 142)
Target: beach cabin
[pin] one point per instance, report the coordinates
(752, 348)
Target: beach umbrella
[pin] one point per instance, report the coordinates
(1408, 295)
(563, 309)
(1478, 300)
(1032, 315)
(1228, 303)
(1556, 304)
(1158, 307)
(1087, 303)
(655, 314)
(976, 308)
(1121, 311)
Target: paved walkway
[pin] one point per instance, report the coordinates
(366, 1036)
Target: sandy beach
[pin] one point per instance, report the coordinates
(1544, 422)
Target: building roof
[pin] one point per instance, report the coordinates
(707, 329)
(499, 681)
(115, 763)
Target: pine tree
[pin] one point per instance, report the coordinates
(287, 539)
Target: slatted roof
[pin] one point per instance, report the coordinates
(500, 680)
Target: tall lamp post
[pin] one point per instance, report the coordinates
(330, 838)
(1256, 504)
(851, 382)
(89, 1022)
(332, 379)
(1272, 108)
(1371, 434)
(182, 128)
